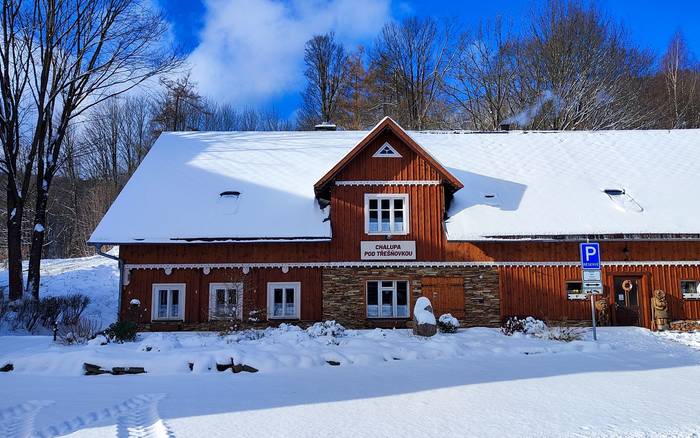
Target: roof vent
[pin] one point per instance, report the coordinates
(229, 201)
(614, 192)
(325, 126)
(623, 201)
(491, 199)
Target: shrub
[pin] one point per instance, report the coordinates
(78, 333)
(122, 331)
(527, 325)
(327, 328)
(73, 307)
(50, 308)
(447, 323)
(512, 324)
(565, 334)
(27, 314)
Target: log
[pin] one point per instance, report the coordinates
(118, 371)
(94, 370)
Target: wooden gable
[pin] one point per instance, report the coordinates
(364, 163)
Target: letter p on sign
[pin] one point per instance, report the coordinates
(590, 255)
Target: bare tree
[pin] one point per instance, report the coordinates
(681, 78)
(179, 107)
(482, 84)
(412, 59)
(60, 58)
(326, 74)
(576, 70)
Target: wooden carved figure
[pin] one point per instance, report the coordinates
(660, 315)
(602, 312)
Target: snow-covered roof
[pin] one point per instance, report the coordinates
(516, 184)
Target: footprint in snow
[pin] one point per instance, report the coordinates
(136, 417)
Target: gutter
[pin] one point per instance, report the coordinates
(98, 250)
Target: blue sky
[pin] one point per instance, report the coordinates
(249, 52)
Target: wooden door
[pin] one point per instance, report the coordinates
(446, 294)
(627, 296)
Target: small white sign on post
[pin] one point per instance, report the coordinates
(388, 250)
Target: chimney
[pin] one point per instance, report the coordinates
(325, 126)
(505, 127)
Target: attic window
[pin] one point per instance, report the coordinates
(386, 151)
(623, 201)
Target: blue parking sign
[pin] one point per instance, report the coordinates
(590, 255)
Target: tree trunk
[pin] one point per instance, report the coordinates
(14, 246)
(38, 233)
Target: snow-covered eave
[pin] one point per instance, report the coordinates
(578, 237)
(181, 240)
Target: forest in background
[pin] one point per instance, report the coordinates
(570, 68)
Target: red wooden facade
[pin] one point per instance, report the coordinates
(532, 274)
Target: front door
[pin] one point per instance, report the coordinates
(627, 294)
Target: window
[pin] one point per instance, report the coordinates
(225, 301)
(574, 290)
(387, 299)
(168, 302)
(690, 289)
(283, 300)
(386, 151)
(386, 214)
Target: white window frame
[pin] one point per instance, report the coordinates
(394, 297)
(690, 296)
(271, 286)
(155, 302)
(391, 196)
(238, 287)
(394, 152)
(574, 296)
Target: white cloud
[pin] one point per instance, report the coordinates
(251, 51)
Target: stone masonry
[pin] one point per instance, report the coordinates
(344, 294)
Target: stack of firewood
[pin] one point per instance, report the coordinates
(685, 326)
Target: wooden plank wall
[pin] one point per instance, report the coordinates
(425, 227)
(197, 289)
(541, 291)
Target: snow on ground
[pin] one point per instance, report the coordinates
(96, 277)
(476, 382)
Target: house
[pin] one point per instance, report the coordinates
(355, 226)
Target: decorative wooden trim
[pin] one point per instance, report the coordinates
(386, 145)
(397, 264)
(388, 183)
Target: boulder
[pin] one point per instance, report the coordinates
(424, 319)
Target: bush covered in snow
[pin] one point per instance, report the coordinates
(30, 315)
(122, 331)
(565, 334)
(79, 332)
(538, 329)
(447, 323)
(327, 328)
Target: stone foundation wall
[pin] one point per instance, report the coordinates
(344, 294)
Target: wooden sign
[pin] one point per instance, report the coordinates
(388, 250)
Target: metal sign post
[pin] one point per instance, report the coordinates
(595, 335)
(592, 280)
